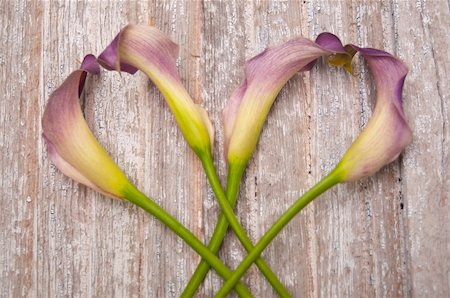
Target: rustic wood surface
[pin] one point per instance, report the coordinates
(385, 236)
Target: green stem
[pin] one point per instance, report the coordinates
(136, 197)
(234, 179)
(326, 183)
(227, 210)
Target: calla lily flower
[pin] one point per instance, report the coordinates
(265, 75)
(70, 143)
(151, 51)
(387, 133)
(76, 152)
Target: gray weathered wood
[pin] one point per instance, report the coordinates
(384, 236)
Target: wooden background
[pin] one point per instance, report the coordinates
(385, 236)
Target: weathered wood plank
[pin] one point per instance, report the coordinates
(20, 62)
(426, 162)
(384, 236)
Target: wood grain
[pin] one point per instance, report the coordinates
(384, 236)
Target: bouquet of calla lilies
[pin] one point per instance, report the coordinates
(75, 151)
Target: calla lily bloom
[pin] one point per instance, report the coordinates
(151, 51)
(387, 133)
(265, 75)
(70, 143)
(76, 153)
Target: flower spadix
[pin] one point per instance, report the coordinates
(70, 143)
(151, 51)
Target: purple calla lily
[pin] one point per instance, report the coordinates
(151, 51)
(71, 145)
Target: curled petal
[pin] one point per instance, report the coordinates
(387, 133)
(265, 75)
(90, 64)
(151, 51)
(70, 143)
